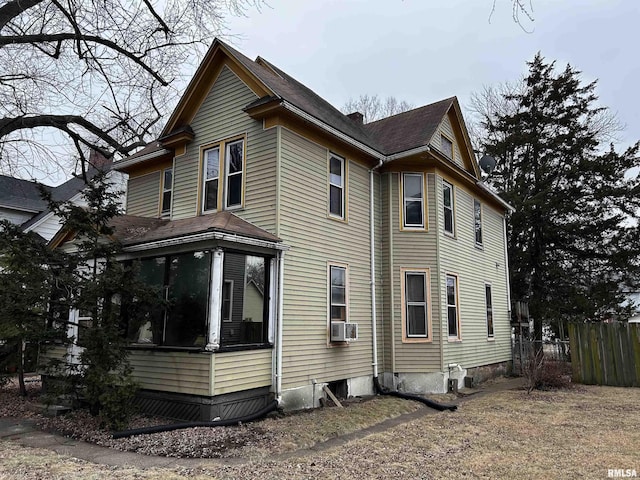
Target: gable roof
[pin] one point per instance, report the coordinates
(21, 194)
(410, 129)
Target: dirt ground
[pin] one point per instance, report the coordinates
(578, 433)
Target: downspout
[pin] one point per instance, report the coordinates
(391, 283)
(372, 249)
(279, 334)
(438, 268)
(506, 264)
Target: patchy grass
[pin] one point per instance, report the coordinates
(576, 433)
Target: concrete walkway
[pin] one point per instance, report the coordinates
(24, 432)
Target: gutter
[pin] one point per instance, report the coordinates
(142, 158)
(280, 327)
(226, 237)
(495, 196)
(333, 131)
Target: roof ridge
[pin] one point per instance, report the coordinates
(428, 105)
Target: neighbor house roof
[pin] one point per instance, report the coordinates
(133, 230)
(21, 194)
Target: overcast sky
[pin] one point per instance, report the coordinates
(422, 51)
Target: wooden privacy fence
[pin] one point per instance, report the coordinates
(605, 353)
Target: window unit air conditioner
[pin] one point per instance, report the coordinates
(344, 332)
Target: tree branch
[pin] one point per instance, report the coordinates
(58, 37)
(11, 10)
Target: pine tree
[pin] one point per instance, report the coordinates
(28, 275)
(573, 240)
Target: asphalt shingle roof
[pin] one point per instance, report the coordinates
(21, 194)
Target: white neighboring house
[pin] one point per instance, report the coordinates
(21, 202)
(635, 298)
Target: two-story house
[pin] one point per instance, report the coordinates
(274, 223)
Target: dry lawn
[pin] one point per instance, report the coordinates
(577, 433)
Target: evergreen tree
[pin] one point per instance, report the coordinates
(573, 240)
(27, 277)
(106, 290)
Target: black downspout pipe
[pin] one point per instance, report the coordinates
(213, 423)
(408, 396)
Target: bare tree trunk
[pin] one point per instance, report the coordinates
(23, 388)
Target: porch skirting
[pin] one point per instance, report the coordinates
(197, 408)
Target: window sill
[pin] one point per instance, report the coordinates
(164, 348)
(491, 339)
(405, 228)
(450, 235)
(417, 340)
(454, 340)
(480, 246)
(335, 218)
(240, 348)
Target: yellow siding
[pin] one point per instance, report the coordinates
(447, 130)
(221, 117)
(474, 267)
(180, 372)
(143, 195)
(236, 371)
(316, 240)
(414, 249)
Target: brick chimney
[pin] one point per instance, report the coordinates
(357, 117)
(99, 161)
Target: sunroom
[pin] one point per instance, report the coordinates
(207, 351)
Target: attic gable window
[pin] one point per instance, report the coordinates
(336, 186)
(446, 146)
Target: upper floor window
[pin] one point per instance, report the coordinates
(446, 146)
(336, 186)
(223, 170)
(211, 179)
(477, 221)
(338, 293)
(234, 158)
(448, 206)
(489, 306)
(415, 306)
(413, 200)
(167, 187)
(453, 313)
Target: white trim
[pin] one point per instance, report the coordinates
(142, 158)
(407, 153)
(227, 237)
(215, 301)
(280, 327)
(405, 224)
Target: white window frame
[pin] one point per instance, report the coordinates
(166, 189)
(450, 208)
(407, 337)
(344, 268)
(456, 305)
(231, 286)
(477, 222)
(341, 186)
(488, 295)
(228, 176)
(205, 179)
(405, 224)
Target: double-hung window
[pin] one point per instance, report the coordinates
(336, 186)
(234, 160)
(223, 171)
(489, 306)
(415, 311)
(211, 179)
(448, 207)
(477, 221)
(413, 200)
(167, 186)
(337, 293)
(453, 312)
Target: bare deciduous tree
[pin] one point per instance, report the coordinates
(96, 74)
(374, 108)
